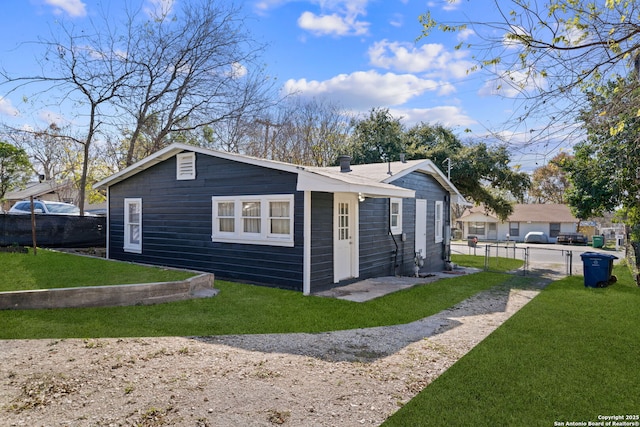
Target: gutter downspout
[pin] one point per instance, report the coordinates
(306, 257)
(395, 259)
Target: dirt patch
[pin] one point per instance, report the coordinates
(345, 378)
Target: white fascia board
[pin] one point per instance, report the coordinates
(478, 217)
(176, 148)
(428, 167)
(315, 182)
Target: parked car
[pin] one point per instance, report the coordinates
(536, 237)
(572, 239)
(44, 207)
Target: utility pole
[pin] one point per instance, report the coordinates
(448, 161)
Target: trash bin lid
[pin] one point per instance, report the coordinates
(589, 255)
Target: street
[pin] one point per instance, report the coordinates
(558, 256)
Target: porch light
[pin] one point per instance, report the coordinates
(360, 197)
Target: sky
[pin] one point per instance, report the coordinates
(359, 54)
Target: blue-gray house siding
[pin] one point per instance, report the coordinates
(177, 221)
(426, 187)
(383, 254)
(321, 240)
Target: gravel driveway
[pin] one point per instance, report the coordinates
(344, 378)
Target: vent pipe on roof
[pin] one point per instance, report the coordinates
(345, 163)
(403, 158)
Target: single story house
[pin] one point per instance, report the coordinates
(267, 222)
(551, 219)
(44, 190)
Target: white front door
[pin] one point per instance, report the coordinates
(421, 226)
(345, 237)
(492, 233)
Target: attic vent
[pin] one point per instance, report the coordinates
(186, 166)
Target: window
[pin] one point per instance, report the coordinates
(395, 216)
(280, 218)
(476, 228)
(258, 220)
(251, 219)
(438, 221)
(226, 217)
(514, 229)
(186, 166)
(554, 229)
(133, 225)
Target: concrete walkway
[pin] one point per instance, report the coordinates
(369, 289)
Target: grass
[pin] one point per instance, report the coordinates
(495, 263)
(50, 269)
(244, 309)
(570, 355)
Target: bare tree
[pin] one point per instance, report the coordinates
(150, 78)
(306, 132)
(548, 55)
(193, 68)
(47, 149)
(87, 70)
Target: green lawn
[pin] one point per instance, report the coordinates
(50, 269)
(570, 355)
(237, 309)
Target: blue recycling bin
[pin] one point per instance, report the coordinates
(597, 269)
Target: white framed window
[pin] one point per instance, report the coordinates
(133, 225)
(395, 216)
(258, 220)
(185, 166)
(438, 224)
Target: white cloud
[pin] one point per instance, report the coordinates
(447, 5)
(157, 9)
(265, 5)
(238, 70)
(397, 20)
(75, 8)
(51, 117)
(510, 84)
(363, 89)
(449, 116)
(7, 108)
(510, 39)
(430, 58)
(464, 35)
(332, 24)
(332, 17)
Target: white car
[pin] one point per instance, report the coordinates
(536, 237)
(45, 207)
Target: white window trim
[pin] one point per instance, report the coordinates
(128, 246)
(265, 237)
(185, 166)
(438, 223)
(398, 228)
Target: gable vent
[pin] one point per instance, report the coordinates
(186, 166)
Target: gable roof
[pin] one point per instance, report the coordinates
(391, 171)
(37, 190)
(541, 212)
(370, 180)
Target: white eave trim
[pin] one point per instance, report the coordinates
(309, 181)
(173, 149)
(428, 167)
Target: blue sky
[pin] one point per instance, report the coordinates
(359, 53)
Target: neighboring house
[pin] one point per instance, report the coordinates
(43, 190)
(275, 223)
(551, 219)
